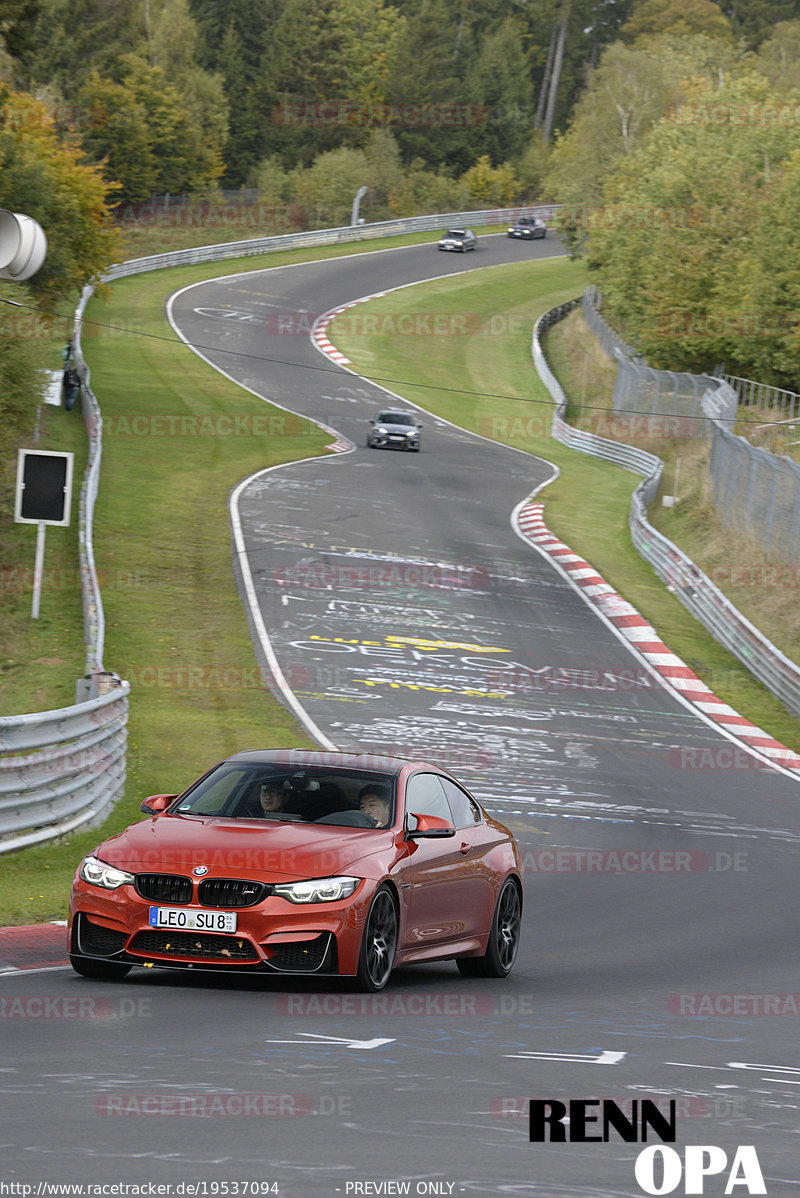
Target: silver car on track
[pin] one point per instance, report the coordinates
(394, 429)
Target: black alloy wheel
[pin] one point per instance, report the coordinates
(501, 951)
(379, 943)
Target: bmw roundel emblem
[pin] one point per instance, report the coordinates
(200, 870)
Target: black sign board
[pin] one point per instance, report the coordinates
(44, 487)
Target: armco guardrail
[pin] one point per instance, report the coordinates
(285, 241)
(64, 768)
(61, 769)
(93, 618)
(687, 581)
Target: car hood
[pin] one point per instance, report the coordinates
(241, 848)
(395, 428)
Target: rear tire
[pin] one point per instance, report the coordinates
(108, 971)
(378, 944)
(501, 951)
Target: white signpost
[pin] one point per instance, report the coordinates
(43, 496)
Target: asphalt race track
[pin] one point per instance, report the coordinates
(660, 930)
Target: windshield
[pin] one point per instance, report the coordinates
(455, 233)
(395, 418)
(320, 795)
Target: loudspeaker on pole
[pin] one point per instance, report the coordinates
(23, 246)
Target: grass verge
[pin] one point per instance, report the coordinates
(485, 380)
(41, 659)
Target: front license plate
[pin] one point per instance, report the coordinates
(192, 921)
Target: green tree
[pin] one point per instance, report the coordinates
(327, 188)
(679, 17)
(767, 344)
(779, 57)
(69, 38)
(627, 93)
(117, 133)
(367, 33)
(755, 20)
(235, 41)
(673, 246)
(179, 136)
(499, 83)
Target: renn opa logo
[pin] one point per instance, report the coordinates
(658, 1169)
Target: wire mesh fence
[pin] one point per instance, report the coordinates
(753, 490)
(757, 491)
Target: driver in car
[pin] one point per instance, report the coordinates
(374, 801)
(270, 796)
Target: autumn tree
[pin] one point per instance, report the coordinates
(52, 181)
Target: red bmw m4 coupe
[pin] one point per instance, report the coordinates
(296, 862)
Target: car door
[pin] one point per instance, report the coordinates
(439, 880)
(474, 839)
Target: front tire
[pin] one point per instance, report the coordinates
(501, 951)
(378, 944)
(108, 971)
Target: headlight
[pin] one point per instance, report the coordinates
(412, 433)
(319, 890)
(97, 873)
(381, 431)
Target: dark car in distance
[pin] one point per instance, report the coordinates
(296, 862)
(394, 429)
(527, 228)
(458, 240)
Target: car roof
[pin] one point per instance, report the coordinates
(297, 758)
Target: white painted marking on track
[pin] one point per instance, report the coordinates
(606, 1057)
(314, 1038)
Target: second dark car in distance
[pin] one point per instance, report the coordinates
(527, 228)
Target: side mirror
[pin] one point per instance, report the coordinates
(429, 827)
(155, 804)
(419, 424)
(372, 421)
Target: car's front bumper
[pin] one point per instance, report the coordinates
(272, 937)
(394, 442)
